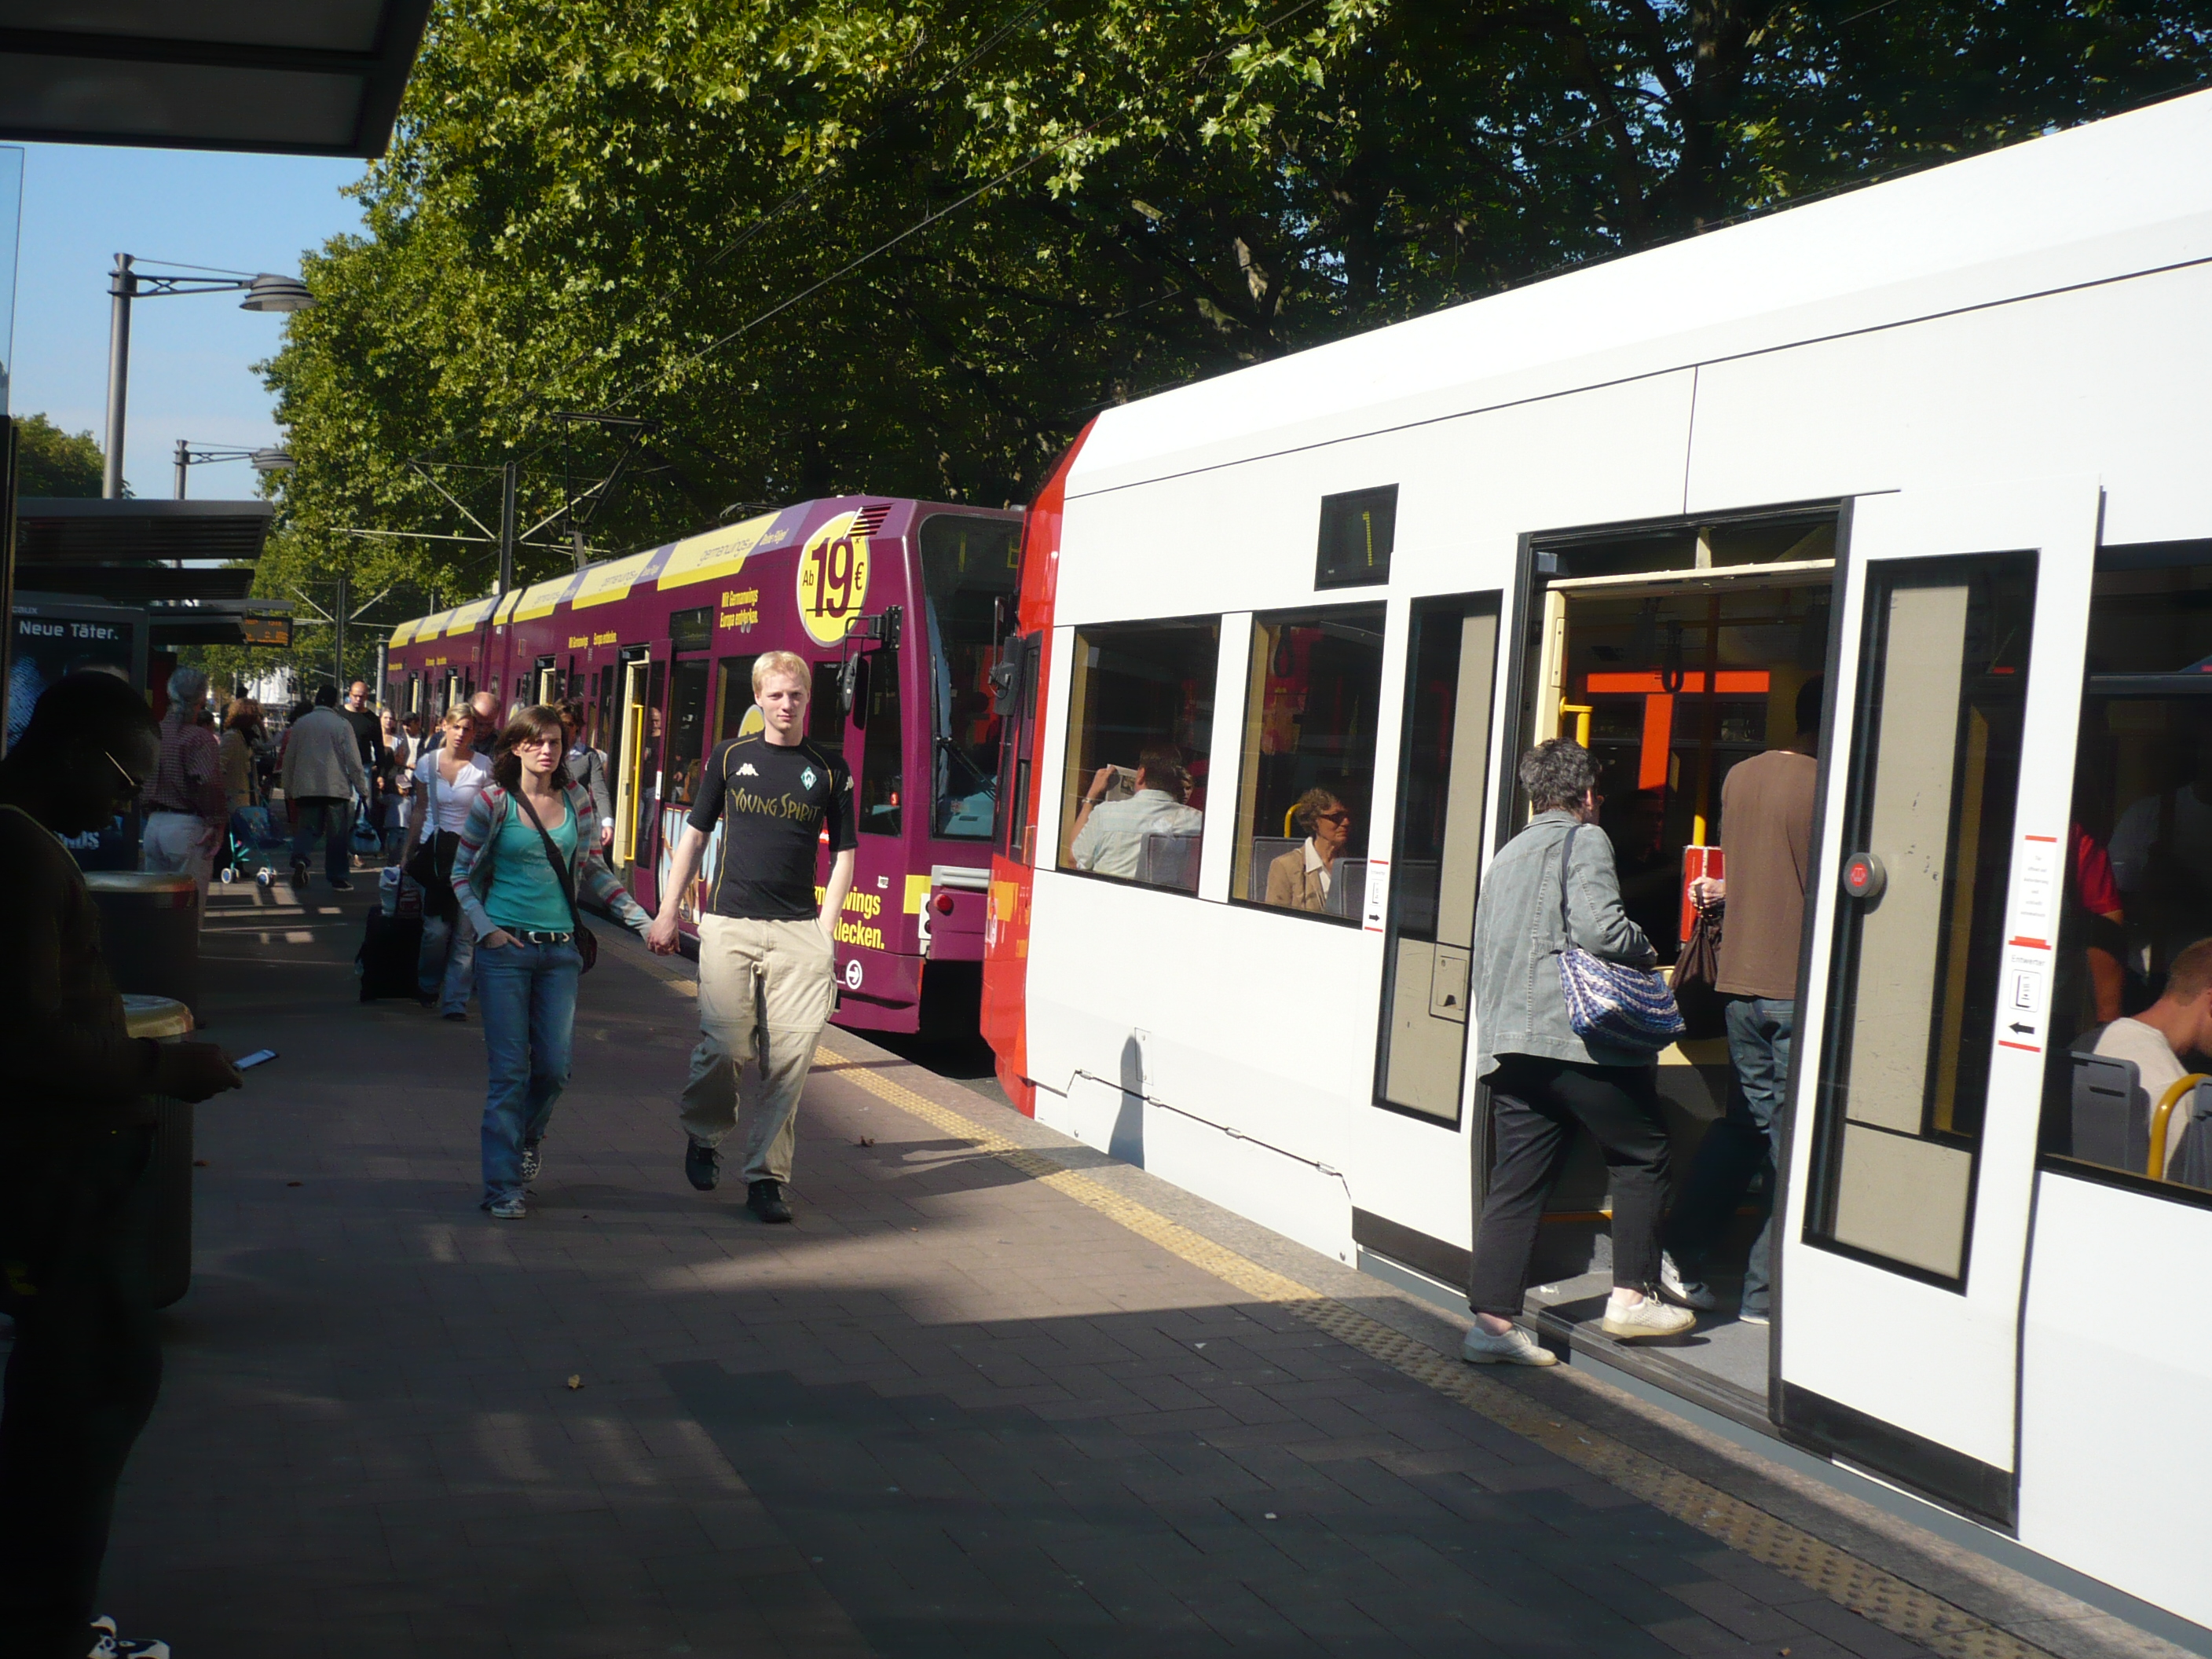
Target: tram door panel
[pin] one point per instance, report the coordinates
(1916, 1075)
(629, 744)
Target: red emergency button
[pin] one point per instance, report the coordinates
(1864, 875)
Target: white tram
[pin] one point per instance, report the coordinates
(1944, 443)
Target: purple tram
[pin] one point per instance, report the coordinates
(897, 604)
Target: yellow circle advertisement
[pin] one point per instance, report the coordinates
(833, 579)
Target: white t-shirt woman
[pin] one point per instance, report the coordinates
(451, 796)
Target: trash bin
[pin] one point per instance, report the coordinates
(161, 1208)
(149, 932)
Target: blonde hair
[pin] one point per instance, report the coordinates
(455, 716)
(780, 662)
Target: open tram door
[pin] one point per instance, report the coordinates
(634, 689)
(1940, 847)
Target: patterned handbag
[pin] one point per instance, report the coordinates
(1611, 1002)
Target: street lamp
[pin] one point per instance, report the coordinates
(265, 461)
(127, 282)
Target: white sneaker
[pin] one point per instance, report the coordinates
(1516, 1347)
(1748, 1317)
(1686, 1292)
(109, 1645)
(1648, 1318)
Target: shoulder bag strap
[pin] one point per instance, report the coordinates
(1566, 926)
(553, 853)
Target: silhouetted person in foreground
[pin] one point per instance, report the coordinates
(76, 1131)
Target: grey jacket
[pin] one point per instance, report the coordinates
(1519, 1008)
(322, 759)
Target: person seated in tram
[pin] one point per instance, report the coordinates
(1110, 835)
(1301, 878)
(2161, 1038)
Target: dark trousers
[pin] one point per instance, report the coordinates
(1536, 1106)
(333, 819)
(81, 1382)
(1742, 1145)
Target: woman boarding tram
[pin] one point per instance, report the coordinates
(1935, 443)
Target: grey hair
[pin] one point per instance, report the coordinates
(1558, 772)
(188, 685)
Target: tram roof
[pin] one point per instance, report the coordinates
(2097, 201)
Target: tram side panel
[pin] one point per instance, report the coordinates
(1253, 1032)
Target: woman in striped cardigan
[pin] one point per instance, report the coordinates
(515, 901)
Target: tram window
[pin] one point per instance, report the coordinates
(1357, 530)
(825, 713)
(1143, 690)
(882, 759)
(1451, 659)
(968, 566)
(2132, 977)
(1916, 962)
(1309, 779)
(687, 730)
(734, 697)
(691, 631)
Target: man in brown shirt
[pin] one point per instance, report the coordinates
(75, 1130)
(1767, 836)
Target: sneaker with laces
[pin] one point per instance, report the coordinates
(1643, 1320)
(1516, 1347)
(508, 1209)
(106, 1644)
(1754, 1317)
(702, 1165)
(765, 1200)
(530, 1161)
(1685, 1292)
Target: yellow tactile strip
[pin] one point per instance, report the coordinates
(1880, 1597)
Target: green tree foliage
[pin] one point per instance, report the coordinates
(50, 462)
(649, 207)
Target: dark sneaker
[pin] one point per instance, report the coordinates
(530, 1158)
(765, 1200)
(703, 1166)
(106, 1644)
(300, 873)
(341, 885)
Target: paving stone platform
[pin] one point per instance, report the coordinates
(949, 1411)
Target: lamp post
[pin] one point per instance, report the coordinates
(265, 461)
(127, 282)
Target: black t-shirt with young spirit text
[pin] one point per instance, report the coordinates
(773, 802)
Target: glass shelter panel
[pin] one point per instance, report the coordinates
(1926, 861)
(1140, 723)
(1451, 658)
(969, 567)
(2134, 960)
(1310, 720)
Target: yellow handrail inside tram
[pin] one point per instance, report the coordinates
(1582, 712)
(2167, 1102)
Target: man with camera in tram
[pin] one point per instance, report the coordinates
(767, 961)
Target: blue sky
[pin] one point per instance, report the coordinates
(190, 356)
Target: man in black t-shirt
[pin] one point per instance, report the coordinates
(767, 966)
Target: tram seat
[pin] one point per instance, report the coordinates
(1266, 849)
(1347, 890)
(2110, 1119)
(1168, 861)
(2191, 1163)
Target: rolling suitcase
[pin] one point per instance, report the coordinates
(387, 960)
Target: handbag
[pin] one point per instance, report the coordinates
(586, 943)
(1609, 1001)
(1696, 982)
(431, 864)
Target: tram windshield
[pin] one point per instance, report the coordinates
(966, 565)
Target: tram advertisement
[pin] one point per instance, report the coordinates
(833, 579)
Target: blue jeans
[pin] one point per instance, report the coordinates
(333, 819)
(445, 965)
(1744, 1143)
(527, 994)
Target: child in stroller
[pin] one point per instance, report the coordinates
(241, 857)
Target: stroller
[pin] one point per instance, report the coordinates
(241, 858)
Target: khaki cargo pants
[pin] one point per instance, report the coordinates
(765, 992)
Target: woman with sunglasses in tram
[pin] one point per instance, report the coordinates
(526, 852)
(1301, 878)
